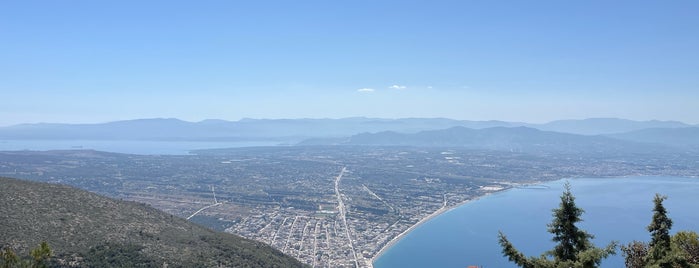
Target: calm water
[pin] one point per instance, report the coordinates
(615, 209)
(126, 146)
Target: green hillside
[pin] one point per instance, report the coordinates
(95, 231)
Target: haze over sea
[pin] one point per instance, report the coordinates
(127, 146)
(615, 209)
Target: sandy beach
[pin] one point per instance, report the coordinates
(397, 238)
(438, 212)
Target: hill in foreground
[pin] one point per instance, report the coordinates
(95, 231)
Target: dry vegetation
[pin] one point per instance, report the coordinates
(98, 231)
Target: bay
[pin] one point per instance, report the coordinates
(127, 146)
(615, 209)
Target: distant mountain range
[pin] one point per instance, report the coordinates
(96, 231)
(246, 129)
(292, 130)
(517, 139)
(598, 126)
(597, 134)
(679, 137)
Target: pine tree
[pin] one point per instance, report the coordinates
(574, 247)
(664, 251)
(39, 258)
(569, 237)
(661, 252)
(9, 258)
(41, 254)
(659, 229)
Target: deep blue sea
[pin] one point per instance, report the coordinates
(126, 146)
(615, 209)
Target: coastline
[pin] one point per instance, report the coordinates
(442, 210)
(438, 212)
(586, 186)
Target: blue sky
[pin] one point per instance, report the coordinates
(532, 61)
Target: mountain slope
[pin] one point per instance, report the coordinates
(74, 221)
(678, 137)
(597, 126)
(246, 129)
(294, 130)
(502, 138)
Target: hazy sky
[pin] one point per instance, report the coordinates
(533, 61)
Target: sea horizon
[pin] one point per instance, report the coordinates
(140, 147)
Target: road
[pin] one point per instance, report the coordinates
(202, 209)
(216, 203)
(341, 208)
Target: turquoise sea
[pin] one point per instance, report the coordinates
(615, 209)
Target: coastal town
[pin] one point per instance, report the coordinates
(326, 206)
(332, 237)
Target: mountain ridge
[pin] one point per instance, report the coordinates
(607, 125)
(678, 137)
(78, 223)
(521, 138)
(294, 130)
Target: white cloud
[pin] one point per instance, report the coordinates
(366, 90)
(397, 87)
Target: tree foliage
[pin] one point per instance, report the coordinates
(659, 228)
(571, 240)
(41, 255)
(573, 245)
(8, 258)
(38, 258)
(115, 255)
(687, 243)
(635, 254)
(664, 251)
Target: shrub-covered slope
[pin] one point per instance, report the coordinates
(97, 231)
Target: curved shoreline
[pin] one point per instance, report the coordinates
(438, 212)
(442, 210)
(590, 183)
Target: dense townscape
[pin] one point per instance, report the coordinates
(327, 206)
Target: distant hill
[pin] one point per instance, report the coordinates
(295, 130)
(497, 138)
(140, 129)
(678, 137)
(111, 233)
(284, 130)
(597, 126)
